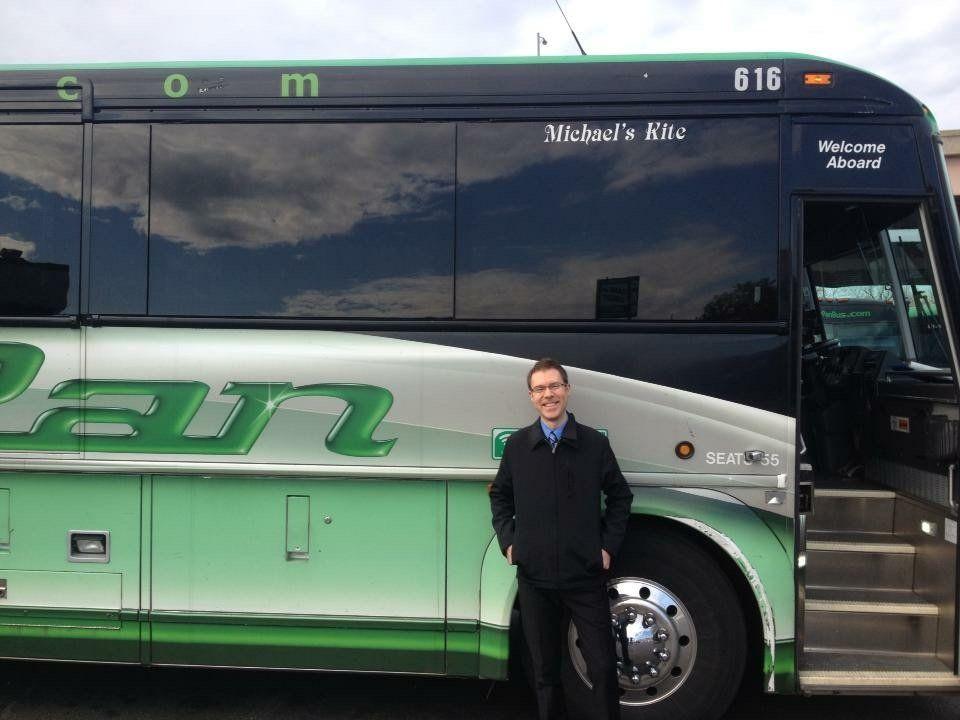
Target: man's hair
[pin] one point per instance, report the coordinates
(546, 364)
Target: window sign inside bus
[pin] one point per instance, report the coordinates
(854, 156)
(858, 318)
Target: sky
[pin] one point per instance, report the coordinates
(914, 43)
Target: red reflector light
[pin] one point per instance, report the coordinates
(818, 78)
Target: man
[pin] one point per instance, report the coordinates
(547, 516)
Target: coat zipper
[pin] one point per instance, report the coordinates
(556, 506)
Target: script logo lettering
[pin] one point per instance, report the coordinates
(162, 428)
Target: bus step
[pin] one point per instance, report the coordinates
(825, 672)
(859, 560)
(855, 509)
(878, 682)
(856, 620)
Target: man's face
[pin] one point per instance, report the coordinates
(549, 395)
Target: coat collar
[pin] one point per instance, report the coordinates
(535, 433)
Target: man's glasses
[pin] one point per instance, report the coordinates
(552, 387)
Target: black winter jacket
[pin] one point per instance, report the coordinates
(547, 505)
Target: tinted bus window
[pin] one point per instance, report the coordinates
(40, 182)
(618, 220)
(331, 220)
(118, 272)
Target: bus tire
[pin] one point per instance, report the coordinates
(677, 613)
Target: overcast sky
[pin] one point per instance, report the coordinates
(914, 44)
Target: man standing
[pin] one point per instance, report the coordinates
(547, 516)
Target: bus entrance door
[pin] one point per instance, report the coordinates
(880, 422)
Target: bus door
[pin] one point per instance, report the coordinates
(880, 423)
(69, 543)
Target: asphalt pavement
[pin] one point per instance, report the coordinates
(44, 691)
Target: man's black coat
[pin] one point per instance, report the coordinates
(547, 505)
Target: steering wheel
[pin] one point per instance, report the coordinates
(820, 347)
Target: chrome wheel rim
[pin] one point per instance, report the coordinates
(655, 639)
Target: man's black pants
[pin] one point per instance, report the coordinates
(545, 614)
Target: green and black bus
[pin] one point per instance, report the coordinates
(264, 330)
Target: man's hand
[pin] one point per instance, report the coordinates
(604, 556)
(510, 555)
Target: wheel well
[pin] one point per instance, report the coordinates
(753, 675)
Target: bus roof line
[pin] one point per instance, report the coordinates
(438, 61)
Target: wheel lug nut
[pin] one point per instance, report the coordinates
(631, 616)
(649, 620)
(653, 672)
(662, 635)
(635, 679)
(663, 654)
(615, 620)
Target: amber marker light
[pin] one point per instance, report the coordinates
(684, 450)
(818, 78)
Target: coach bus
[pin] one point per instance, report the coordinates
(264, 330)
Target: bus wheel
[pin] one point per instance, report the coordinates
(679, 631)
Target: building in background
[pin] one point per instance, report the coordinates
(951, 148)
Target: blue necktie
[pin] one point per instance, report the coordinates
(553, 440)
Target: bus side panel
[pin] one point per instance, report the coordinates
(267, 572)
(258, 570)
(61, 603)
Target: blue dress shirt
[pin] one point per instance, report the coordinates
(558, 430)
